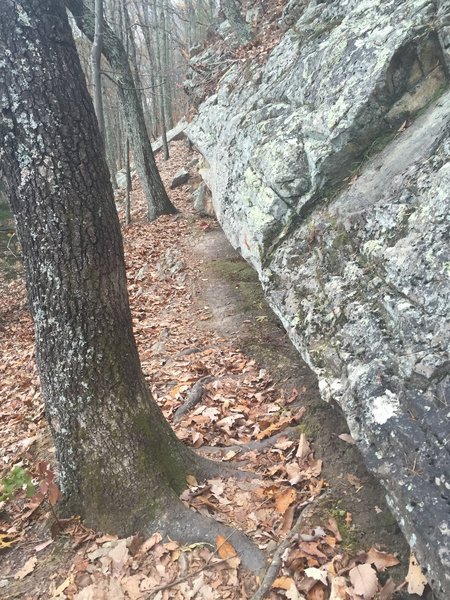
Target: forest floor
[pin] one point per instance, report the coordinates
(199, 316)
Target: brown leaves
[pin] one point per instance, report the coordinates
(226, 551)
(415, 578)
(364, 580)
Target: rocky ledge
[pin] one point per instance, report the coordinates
(329, 171)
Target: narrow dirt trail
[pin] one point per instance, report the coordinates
(198, 315)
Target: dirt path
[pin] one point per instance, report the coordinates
(232, 292)
(198, 312)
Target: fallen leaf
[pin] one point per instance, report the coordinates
(338, 589)
(64, 585)
(387, 592)
(381, 560)
(43, 545)
(303, 447)
(226, 551)
(294, 472)
(27, 568)
(150, 543)
(317, 592)
(191, 481)
(346, 437)
(317, 574)
(364, 580)
(415, 578)
(333, 527)
(284, 499)
(283, 583)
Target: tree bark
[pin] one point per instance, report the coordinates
(120, 463)
(96, 56)
(232, 12)
(158, 202)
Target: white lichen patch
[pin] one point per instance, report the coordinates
(385, 407)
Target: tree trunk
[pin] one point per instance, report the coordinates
(96, 56)
(157, 200)
(120, 463)
(232, 12)
(157, 33)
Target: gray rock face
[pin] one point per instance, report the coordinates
(180, 178)
(203, 201)
(330, 171)
(177, 133)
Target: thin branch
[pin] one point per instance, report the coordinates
(272, 570)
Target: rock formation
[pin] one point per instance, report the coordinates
(329, 170)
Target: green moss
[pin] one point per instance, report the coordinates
(234, 269)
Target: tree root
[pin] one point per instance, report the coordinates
(204, 468)
(184, 525)
(194, 397)
(272, 570)
(290, 432)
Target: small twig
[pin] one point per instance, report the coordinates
(9, 249)
(189, 575)
(272, 570)
(194, 397)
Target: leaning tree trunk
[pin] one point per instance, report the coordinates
(96, 56)
(158, 202)
(232, 11)
(120, 464)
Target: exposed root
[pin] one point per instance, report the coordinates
(184, 525)
(290, 432)
(204, 468)
(194, 397)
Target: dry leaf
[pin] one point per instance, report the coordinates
(303, 447)
(317, 574)
(338, 589)
(381, 560)
(27, 568)
(346, 437)
(191, 481)
(64, 585)
(294, 472)
(225, 550)
(415, 578)
(318, 592)
(364, 580)
(284, 499)
(283, 583)
(387, 592)
(152, 541)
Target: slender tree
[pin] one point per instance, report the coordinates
(232, 11)
(120, 464)
(158, 202)
(96, 57)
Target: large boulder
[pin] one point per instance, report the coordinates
(329, 170)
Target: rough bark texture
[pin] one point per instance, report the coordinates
(119, 460)
(233, 14)
(113, 50)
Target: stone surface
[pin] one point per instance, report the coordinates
(177, 133)
(203, 201)
(329, 170)
(180, 178)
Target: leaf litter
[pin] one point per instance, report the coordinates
(239, 405)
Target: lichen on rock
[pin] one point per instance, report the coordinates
(329, 171)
